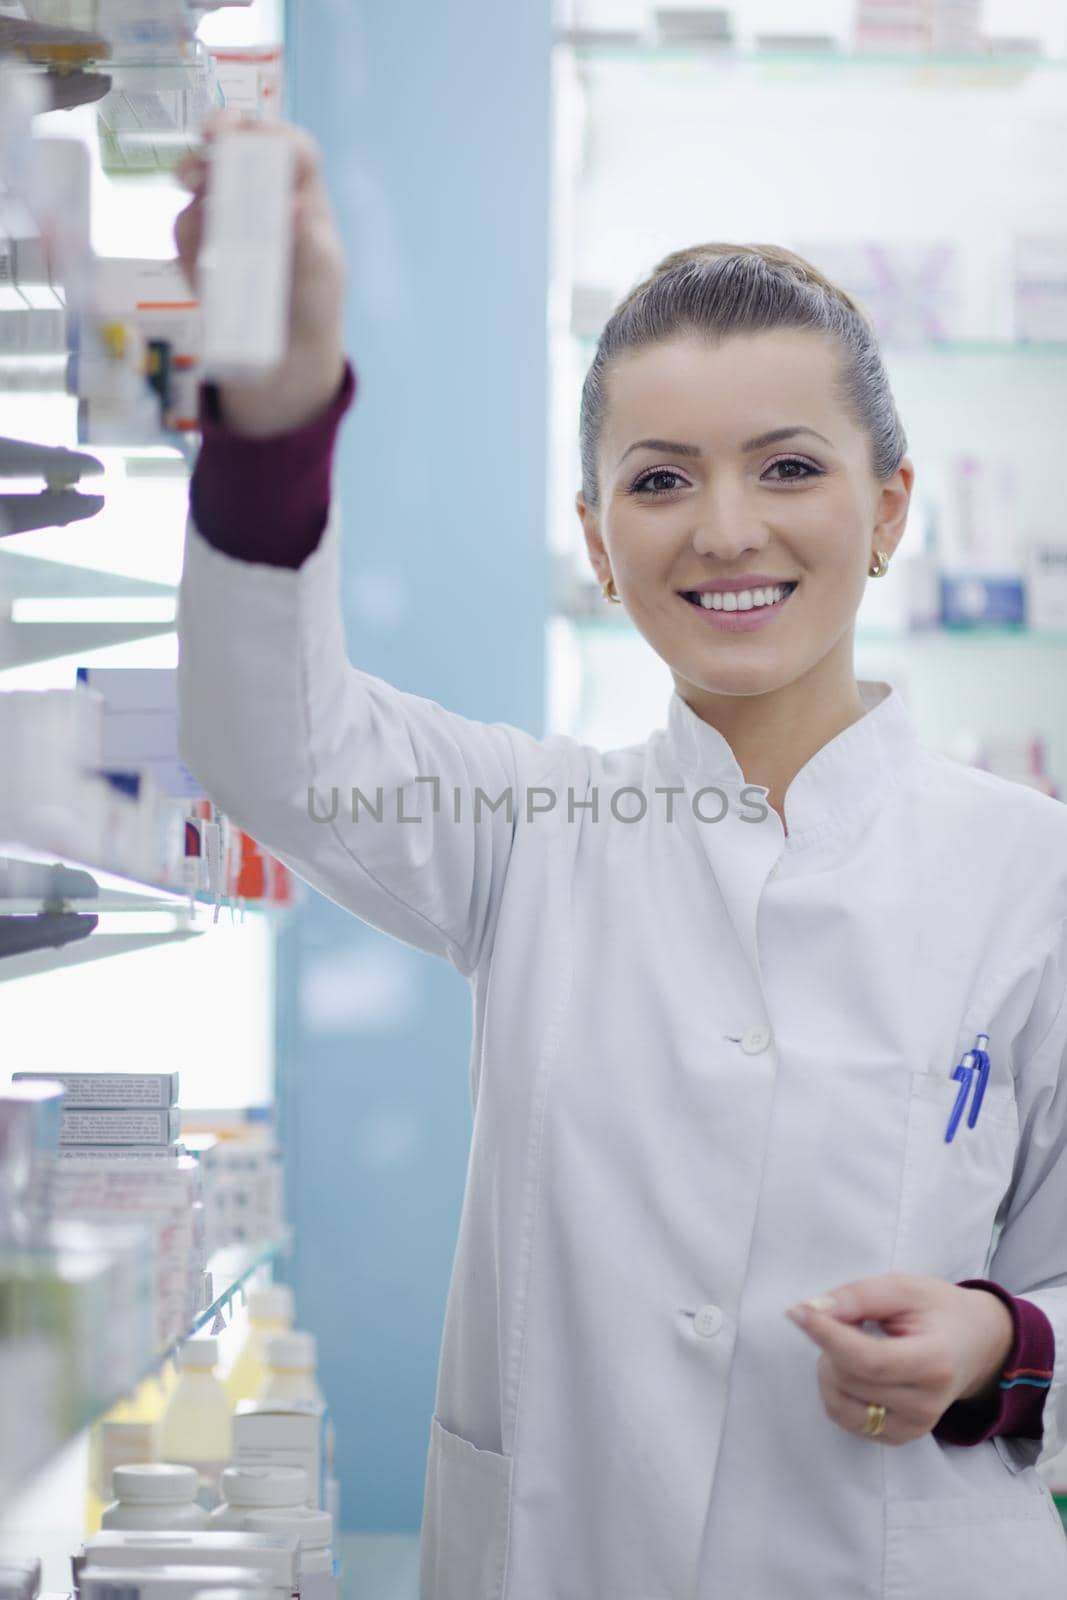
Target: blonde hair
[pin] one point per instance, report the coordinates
(715, 290)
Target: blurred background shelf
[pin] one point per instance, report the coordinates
(912, 68)
(226, 1273)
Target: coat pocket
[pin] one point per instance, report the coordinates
(465, 1518)
(951, 1192)
(1011, 1546)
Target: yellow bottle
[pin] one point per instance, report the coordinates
(128, 1433)
(270, 1311)
(196, 1429)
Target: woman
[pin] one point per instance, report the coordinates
(731, 985)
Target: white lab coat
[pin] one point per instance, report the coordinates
(710, 1076)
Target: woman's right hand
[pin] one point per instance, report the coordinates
(311, 373)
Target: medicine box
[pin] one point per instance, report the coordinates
(165, 1582)
(141, 724)
(96, 1090)
(276, 1554)
(120, 1127)
(293, 1435)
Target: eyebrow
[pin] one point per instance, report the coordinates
(761, 439)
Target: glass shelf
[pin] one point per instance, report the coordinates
(131, 914)
(230, 1268)
(227, 1270)
(982, 634)
(694, 55)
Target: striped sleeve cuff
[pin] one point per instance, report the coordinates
(1016, 1406)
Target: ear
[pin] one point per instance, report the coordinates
(594, 544)
(893, 506)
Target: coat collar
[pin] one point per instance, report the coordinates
(842, 784)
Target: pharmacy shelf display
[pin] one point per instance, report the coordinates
(898, 173)
(227, 1272)
(107, 844)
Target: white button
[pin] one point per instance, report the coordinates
(753, 1040)
(708, 1321)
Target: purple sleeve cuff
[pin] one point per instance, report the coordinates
(1018, 1401)
(266, 499)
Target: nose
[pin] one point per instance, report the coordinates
(727, 530)
(728, 540)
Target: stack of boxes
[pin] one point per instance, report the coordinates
(120, 1165)
(61, 1276)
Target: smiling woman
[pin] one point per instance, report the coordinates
(722, 353)
(712, 1056)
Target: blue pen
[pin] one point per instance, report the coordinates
(974, 1064)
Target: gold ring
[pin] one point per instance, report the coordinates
(875, 1421)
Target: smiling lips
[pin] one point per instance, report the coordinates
(750, 598)
(739, 610)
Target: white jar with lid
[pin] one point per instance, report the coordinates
(314, 1529)
(246, 1489)
(154, 1497)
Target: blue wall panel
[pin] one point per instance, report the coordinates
(434, 122)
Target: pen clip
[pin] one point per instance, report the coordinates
(981, 1060)
(964, 1073)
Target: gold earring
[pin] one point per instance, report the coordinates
(879, 566)
(607, 589)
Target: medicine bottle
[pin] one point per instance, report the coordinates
(291, 1369)
(270, 1311)
(314, 1529)
(197, 1426)
(246, 1489)
(154, 1497)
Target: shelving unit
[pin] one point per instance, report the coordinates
(228, 1270)
(102, 592)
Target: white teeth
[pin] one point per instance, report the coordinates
(743, 599)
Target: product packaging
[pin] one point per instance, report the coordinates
(1040, 287)
(1046, 583)
(911, 291)
(172, 1582)
(314, 1529)
(141, 723)
(246, 257)
(141, 1126)
(294, 1435)
(96, 1091)
(277, 1555)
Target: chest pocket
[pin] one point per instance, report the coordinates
(950, 1192)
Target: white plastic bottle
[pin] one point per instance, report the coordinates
(246, 1489)
(270, 1311)
(197, 1426)
(291, 1359)
(314, 1529)
(155, 1497)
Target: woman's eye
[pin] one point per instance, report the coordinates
(649, 477)
(651, 483)
(794, 461)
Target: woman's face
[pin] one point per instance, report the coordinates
(804, 510)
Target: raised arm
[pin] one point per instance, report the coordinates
(401, 811)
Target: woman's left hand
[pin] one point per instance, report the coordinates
(944, 1344)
